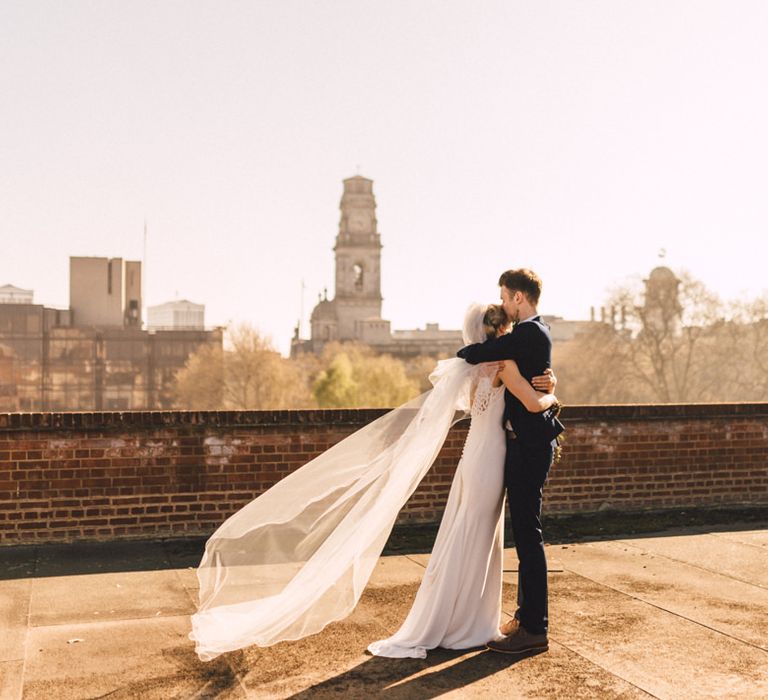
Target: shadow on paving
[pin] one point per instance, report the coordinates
(39, 561)
(606, 525)
(391, 678)
(27, 561)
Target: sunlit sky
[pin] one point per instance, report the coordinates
(575, 138)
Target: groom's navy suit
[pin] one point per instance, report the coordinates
(530, 449)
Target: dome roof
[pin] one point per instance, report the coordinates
(324, 311)
(358, 178)
(662, 274)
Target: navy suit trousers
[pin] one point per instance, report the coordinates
(525, 470)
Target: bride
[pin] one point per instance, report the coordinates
(299, 556)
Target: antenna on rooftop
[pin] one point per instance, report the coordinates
(144, 269)
(301, 305)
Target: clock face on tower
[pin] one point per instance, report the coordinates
(357, 223)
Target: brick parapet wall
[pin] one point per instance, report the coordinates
(68, 476)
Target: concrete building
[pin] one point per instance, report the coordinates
(563, 330)
(15, 295)
(105, 291)
(93, 356)
(176, 315)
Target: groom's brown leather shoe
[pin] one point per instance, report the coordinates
(519, 642)
(509, 626)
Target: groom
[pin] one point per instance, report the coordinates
(530, 450)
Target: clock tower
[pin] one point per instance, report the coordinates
(358, 260)
(354, 314)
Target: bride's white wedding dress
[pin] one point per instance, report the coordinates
(458, 604)
(299, 556)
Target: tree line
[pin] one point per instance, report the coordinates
(250, 374)
(674, 341)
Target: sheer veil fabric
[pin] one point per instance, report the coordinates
(299, 556)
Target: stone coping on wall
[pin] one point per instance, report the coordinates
(122, 420)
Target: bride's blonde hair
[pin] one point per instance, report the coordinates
(494, 319)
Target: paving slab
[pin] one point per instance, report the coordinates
(289, 667)
(116, 596)
(122, 659)
(658, 651)
(389, 571)
(14, 617)
(188, 579)
(758, 538)
(396, 570)
(307, 671)
(711, 599)
(11, 679)
(510, 562)
(710, 552)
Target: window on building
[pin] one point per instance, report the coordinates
(357, 271)
(33, 323)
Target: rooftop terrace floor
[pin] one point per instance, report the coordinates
(676, 614)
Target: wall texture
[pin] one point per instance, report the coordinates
(69, 476)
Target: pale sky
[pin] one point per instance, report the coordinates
(575, 138)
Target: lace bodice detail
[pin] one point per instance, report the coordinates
(485, 393)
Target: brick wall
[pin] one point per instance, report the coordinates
(67, 476)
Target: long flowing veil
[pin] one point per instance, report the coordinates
(299, 556)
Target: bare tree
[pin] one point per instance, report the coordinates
(200, 384)
(668, 340)
(669, 322)
(744, 350)
(594, 367)
(248, 374)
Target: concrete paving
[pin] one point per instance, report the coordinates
(680, 614)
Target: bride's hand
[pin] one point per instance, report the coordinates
(494, 367)
(545, 382)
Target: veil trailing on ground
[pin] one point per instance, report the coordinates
(299, 556)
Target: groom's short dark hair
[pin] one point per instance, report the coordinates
(522, 280)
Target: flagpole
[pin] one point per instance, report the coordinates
(144, 273)
(301, 306)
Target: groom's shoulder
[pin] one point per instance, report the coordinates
(527, 328)
(532, 330)
(542, 326)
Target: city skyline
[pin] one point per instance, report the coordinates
(576, 141)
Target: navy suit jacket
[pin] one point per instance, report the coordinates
(530, 346)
